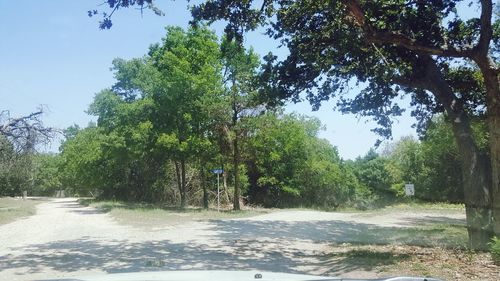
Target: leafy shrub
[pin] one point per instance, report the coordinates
(495, 250)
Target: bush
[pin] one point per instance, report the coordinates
(495, 250)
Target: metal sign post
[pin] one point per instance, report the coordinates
(218, 172)
(218, 194)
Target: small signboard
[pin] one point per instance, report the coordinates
(217, 171)
(410, 189)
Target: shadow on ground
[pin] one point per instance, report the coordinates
(122, 256)
(233, 245)
(429, 220)
(337, 231)
(293, 247)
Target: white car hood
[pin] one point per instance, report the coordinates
(195, 275)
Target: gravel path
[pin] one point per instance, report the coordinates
(65, 239)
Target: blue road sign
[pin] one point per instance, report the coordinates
(217, 171)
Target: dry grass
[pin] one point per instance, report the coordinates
(15, 208)
(149, 215)
(401, 260)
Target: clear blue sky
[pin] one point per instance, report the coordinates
(53, 54)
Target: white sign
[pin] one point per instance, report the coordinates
(409, 189)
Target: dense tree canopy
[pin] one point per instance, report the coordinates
(187, 107)
(390, 48)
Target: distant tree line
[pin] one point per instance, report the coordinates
(191, 105)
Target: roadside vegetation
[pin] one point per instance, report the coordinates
(16, 208)
(153, 215)
(192, 105)
(196, 104)
(495, 250)
(404, 260)
(156, 142)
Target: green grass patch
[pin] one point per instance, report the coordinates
(436, 235)
(432, 235)
(14, 208)
(427, 206)
(152, 215)
(495, 250)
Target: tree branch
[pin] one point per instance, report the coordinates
(412, 44)
(409, 82)
(373, 36)
(486, 32)
(26, 131)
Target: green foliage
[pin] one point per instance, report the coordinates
(290, 166)
(15, 169)
(190, 105)
(82, 161)
(279, 153)
(332, 42)
(441, 174)
(495, 249)
(47, 177)
(374, 175)
(433, 164)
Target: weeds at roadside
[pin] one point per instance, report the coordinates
(15, 208)
(398, 260)
(369, 258)
(152, 215)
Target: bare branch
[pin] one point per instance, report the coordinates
(25, 132)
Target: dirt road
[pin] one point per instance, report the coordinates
(65, 239)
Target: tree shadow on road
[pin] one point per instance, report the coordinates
(293, 247)
(336, 231)
(123, 256)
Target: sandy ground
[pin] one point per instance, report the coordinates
(65, 239)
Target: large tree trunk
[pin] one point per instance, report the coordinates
(477, 184)
(224, 184)
(236, 154)
(183, 182)
(203, 180)
(492, 83)
(494, 128)
(475, 165)
(178, 176)
(236, 163)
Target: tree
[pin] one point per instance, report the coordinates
(189, 72)
(391, 47)
(406, 154)
(19, 137)
(25, 132)
(440, 177)
(372, 173)
(47, 176)
(279, 150)
(82, 166)
(240, 75)
(433, 163)
(15, 169)
(289, 166)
